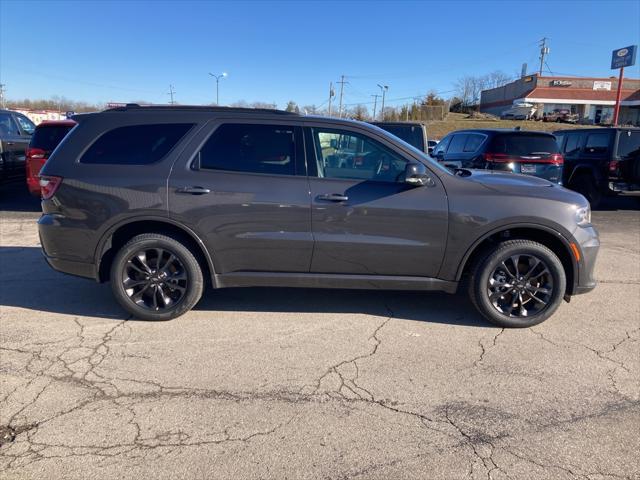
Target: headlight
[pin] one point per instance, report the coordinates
(583, 216)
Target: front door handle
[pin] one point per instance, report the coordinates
(333, 197)
(193, 190)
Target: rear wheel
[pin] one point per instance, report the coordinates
(586, 185)
(156, 277)
(519, 284)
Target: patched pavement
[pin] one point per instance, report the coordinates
(285, 383)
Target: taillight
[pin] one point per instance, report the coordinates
(557, 158)
(613, 166)
(48, 186)
(497, 157)
(36, 153)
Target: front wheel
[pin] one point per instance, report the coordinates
(156, 277)
(519, 284)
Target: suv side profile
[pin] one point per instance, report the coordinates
(601, 161)
(163, 200)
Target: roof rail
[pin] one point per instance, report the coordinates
(201, 108)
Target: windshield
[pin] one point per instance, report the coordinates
(524, 144)
(629, 143)
(426, 159)
(412, 134)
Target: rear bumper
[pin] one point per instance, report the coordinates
(624, 187)
(65, 248)
(78, 269)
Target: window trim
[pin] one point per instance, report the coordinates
(299, 164)
(312, 153)
(180, 141)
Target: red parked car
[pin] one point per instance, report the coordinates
(45, 139)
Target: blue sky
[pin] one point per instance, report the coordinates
(277, 51)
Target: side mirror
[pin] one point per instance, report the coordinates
(416, 174)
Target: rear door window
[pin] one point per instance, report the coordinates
(629, 143)
(250, 148)
(573, 144)
(473, 142)
(8, 126)
(524, 144)
(136, 144)
(597, 143)
(48, 137)
(457, 143)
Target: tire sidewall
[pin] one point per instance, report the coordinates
(491, 262)
(190, 264)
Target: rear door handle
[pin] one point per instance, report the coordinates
(193, 190)
(333, 197)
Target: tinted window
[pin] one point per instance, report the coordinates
(524, 144)
(250, 148)
(412, 134)
(48, 137)
(573, 144)
(344, 154)
(629, 143)
(442, 145)
(473, 142)
(27, 125)
(457, 143)
(136, 144)
(597, 142)
(8, 125)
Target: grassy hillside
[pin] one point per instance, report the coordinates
(457, 121)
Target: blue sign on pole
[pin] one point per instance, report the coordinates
(624, 57)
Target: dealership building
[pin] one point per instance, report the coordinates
(592, 98)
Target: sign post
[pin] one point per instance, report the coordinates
(623, 57)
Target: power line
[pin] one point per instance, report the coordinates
(544, 50)
(171, 93)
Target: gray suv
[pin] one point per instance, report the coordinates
(161, 201)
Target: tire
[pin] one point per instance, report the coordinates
(507, 309)
(586, 185)
(167, 284)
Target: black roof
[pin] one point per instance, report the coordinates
(489, 131)
(197, 108)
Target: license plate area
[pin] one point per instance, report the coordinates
(528, 168)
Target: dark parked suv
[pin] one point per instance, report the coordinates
(531, 153)
(601, 161)
(161, 200)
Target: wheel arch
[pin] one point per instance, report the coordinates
(122, 232)
(537, 233)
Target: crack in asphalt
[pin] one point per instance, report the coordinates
(77, 364)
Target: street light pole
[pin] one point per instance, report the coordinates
(384, 89)
(218, 77)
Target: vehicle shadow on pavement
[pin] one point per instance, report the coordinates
(26, 281)
(14, 197)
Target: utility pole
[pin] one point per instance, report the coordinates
(332, 93)
(375, 104)
(341, 82)
(2, 89)
(384, 89)
(171, 93)
(544, 50)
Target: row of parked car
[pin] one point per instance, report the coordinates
(594, 162)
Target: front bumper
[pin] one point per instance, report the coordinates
(588, 243)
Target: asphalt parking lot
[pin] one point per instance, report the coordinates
(283, 383)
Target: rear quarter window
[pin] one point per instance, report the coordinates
(136, 144)
(48, 137)
(523, 144)
(629, 143)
